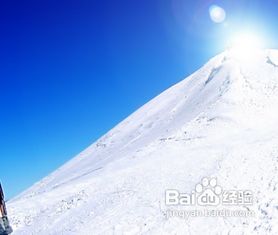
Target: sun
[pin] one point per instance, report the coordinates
(244, 45)
(246, 41)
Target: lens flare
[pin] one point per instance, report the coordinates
(217, 14)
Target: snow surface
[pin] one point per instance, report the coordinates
(222, 122)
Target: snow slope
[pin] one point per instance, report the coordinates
(221, 122)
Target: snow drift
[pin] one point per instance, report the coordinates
(220, 122)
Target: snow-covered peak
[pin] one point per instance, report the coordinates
(219, 122)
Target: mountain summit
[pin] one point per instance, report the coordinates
(221, 123)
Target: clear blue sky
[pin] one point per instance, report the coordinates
(71, 70)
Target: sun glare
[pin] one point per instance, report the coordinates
(244, 45)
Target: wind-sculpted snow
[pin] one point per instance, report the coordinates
(221, 122)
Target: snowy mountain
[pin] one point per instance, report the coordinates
(221, 123)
